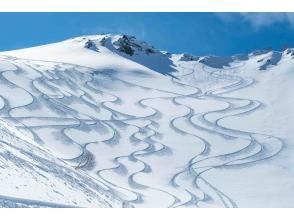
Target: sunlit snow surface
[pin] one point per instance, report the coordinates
(94, 127)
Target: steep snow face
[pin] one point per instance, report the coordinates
(103, 52)
(32, 177)
(110, 121)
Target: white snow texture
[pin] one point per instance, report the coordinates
(109, 121)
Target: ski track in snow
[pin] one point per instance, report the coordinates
(137, 156)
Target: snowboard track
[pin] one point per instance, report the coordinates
(148, 139)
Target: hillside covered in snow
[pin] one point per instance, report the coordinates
(110, 121)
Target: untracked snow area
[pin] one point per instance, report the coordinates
(109, 121)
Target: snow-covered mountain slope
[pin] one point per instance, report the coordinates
(109, 121)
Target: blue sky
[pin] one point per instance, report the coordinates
(195, 33)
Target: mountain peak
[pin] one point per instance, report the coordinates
(123, 43)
